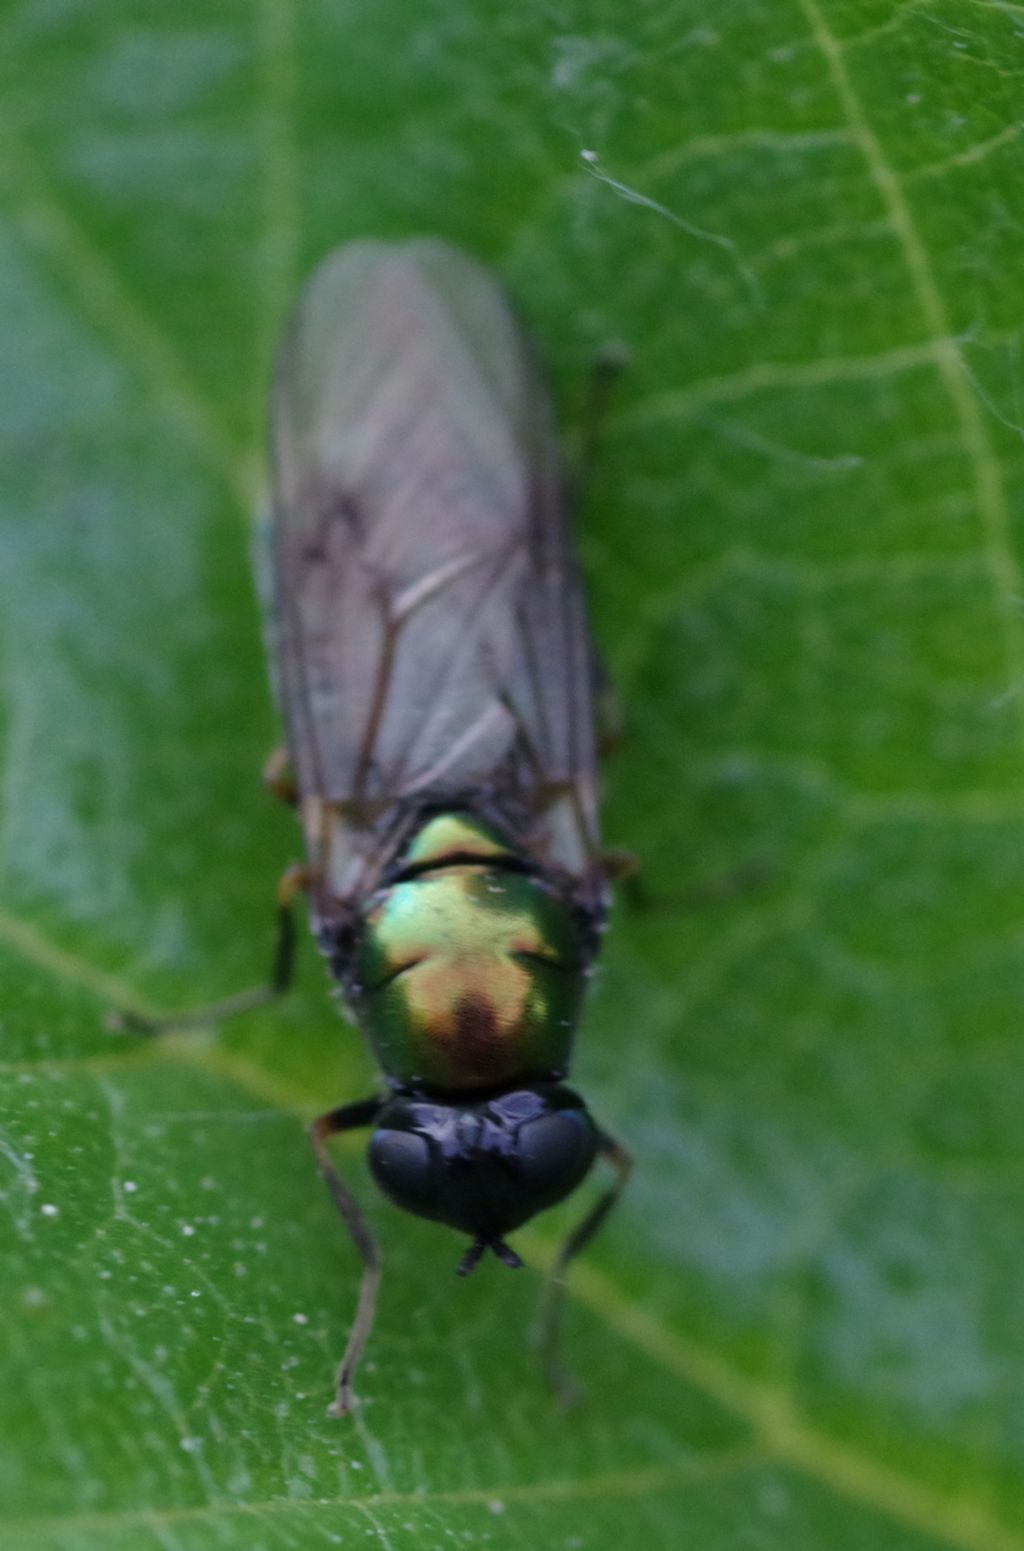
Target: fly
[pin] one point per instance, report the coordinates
(430, 649)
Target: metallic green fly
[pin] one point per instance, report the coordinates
(432, 660)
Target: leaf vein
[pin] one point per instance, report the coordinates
(48, 227)
(625, 1483)
(275, 24)
(787, 1438)
(989, 491)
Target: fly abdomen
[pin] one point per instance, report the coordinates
(471, 970)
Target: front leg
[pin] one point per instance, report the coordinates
(350, 1118)
(279, 777)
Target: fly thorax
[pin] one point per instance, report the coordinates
(469, 975)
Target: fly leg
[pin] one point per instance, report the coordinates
(623, 867)
(553, 1300)
(609, 363)
(279, 777)
(350, 1118)
(294, 881)
(609, 721)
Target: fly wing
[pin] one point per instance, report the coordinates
(432, 637)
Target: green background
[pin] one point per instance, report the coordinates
(804, 1330)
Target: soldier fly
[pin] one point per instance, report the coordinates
(431, 654)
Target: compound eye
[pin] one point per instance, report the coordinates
(403, 1166)
(555, 1152)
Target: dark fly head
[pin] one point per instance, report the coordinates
(483, 1165)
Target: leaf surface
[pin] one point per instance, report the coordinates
(803, 546)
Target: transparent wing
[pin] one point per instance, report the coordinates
(431, 632)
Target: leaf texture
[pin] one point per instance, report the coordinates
(802, 541)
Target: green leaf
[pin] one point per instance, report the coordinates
(803, 1329)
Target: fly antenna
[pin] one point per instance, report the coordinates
(471, 1259)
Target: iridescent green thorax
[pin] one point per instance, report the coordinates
(469, 973)
(447, 835)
